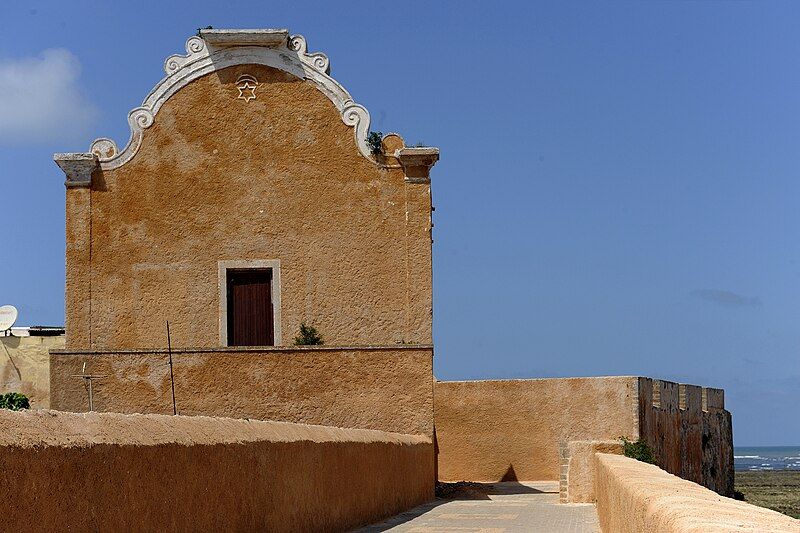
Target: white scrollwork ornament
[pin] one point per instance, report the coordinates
(141, 118)
(104, 149)
(195, 47)
(291, 57)
(318, 60)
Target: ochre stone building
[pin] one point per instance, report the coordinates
(246, 202)
(251, 198)
(248, 165)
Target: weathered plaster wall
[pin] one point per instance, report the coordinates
(112, 472)
(386, 388)
(577, 482)
(633, 497)
(493, 430)
(25, 367)
(218, 178)
(689, 431)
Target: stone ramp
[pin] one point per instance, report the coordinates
(506, 507)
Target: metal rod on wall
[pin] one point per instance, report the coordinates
(171, 375)
(87, 380)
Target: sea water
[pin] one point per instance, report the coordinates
(766, 458)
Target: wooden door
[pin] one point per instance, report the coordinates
(250, 317)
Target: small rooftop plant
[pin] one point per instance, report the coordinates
(638, 450)
(308, 336)
(14, 401)
(375, 142)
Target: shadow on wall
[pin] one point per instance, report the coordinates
(510, 475)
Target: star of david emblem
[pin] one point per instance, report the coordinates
(247, 87)
(247, 92)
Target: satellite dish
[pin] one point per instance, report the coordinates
(8, 315)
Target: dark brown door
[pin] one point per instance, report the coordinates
(250, 308)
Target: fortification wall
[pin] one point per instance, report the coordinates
(384, 388)
(689, 431)
(25, 367)
(494, 430)
(112, 472)
(633, 497)
(544, 429)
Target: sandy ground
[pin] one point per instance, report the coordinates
(776, 490)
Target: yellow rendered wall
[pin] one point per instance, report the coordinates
(385, 388)
(494, 430)
(113, 472)
(217, 179)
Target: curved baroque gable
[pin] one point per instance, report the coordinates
(214, 50)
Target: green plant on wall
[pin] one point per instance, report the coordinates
(375, 142)
(14, 401)
(638, 450)
(308, 336)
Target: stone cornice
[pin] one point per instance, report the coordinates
(78, 167)
(254, 37)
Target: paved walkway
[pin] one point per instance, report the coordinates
(530, 507)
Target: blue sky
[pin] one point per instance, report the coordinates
(617, 192)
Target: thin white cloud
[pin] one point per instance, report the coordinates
(726, 298)
(41, 101)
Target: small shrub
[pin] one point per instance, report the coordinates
(14, 401)
(375, 142)
(308, 336)
(638, 450)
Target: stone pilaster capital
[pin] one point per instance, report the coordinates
(417, 162)
(78, 167)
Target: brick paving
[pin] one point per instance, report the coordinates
(508, 507)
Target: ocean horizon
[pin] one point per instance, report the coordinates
(766, 458)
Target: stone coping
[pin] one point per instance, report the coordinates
(247, 349)
(661, 394)
(44, 427)
(535, 379)
(633, 496)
